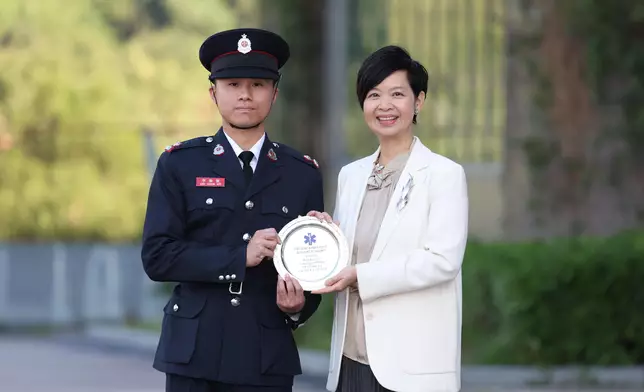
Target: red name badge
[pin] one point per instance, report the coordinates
(211, 182)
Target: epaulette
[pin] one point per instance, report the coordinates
(196, 142)
(297, 155)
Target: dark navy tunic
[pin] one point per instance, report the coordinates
(199, 220)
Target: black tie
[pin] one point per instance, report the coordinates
(246, 157)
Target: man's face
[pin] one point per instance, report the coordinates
(244, 103)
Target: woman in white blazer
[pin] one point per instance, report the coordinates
(404, 210)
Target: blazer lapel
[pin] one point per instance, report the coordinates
(357, 189)
(417, 161)
(226, 163)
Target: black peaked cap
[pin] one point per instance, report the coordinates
(244, 53)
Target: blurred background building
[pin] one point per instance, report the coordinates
(541, 101)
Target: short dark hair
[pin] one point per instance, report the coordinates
(385, 61)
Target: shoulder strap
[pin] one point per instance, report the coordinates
(196, 142)
(297, 155)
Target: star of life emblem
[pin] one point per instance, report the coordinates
(243, 45)
(309, 239)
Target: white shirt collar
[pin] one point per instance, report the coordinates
(256, 149)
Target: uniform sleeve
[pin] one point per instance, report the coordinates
(314, 201)
(166, 255)
(437, 261)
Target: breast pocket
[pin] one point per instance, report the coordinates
(278, 214)
(208, 209)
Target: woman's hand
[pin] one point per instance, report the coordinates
(347, 277)
(322, 216)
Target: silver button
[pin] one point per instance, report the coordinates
(235, 301)
(175, 307)
(249, 205)
(209, 140)
(233, 276)
(221, 277)
(285, 210)
(246, 237)
(227, 277)
(209, 200)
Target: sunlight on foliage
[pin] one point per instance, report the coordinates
(76, 90)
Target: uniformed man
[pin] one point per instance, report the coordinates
(214, 209)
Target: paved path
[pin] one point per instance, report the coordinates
(44, 365)
(29, 364)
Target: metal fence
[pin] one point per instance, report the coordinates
(66, 285)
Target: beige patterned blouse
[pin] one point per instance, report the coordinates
(380, 186)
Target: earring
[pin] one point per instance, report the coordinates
(415, 111)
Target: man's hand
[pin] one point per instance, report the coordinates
(345, 278)
(260, 246)
(322, 216)
(290, 295)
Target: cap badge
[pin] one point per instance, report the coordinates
(243, 45)
(219, 149)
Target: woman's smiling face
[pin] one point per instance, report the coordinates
(389, 107)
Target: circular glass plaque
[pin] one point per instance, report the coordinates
(311, 251)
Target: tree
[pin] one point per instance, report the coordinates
(574, 133)
(75, 91)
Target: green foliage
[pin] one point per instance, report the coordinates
(613, 32)
(76, 89)
(544, 303)
(585, 66)
(562, 302)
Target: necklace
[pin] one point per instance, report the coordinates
(377, 168)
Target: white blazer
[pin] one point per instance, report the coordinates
(411, 287)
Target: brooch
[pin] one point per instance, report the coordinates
(404, 194)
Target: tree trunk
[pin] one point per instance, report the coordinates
(299, 110)
(567, 172)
